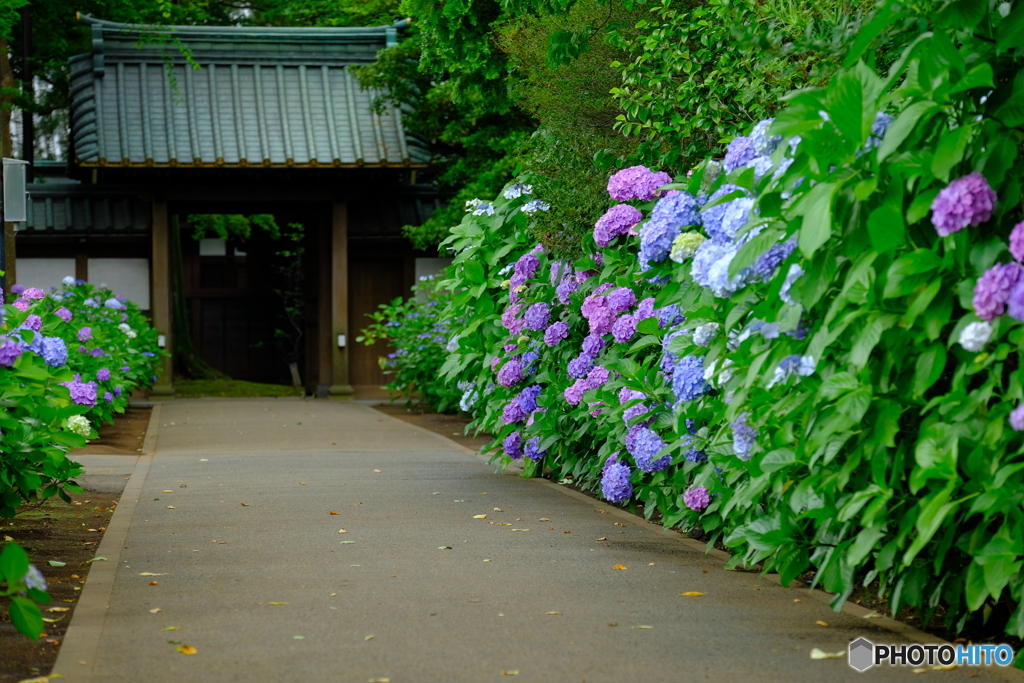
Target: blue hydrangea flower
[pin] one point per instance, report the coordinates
(528, 398)
(679, 209)
(656, 237)
(744, 436)
(739, 153)
(765, 265)
(764, 144)
(688, 379)
(643, 444)
(533, 451)
(712, 216)
(54, 351)
(513, 445)
(580, 366)
(615, 484)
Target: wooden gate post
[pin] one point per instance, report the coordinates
(160, 297)
(341, 385)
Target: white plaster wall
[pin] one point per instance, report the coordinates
(128, 277)
(44, 272)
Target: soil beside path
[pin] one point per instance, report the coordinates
(287, 540)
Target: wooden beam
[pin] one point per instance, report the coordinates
(340, 383)
(325, 321)
(160, 297)
(11, 269)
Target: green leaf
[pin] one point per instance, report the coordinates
(474, 271)
(13, 563)
(928, 368)
(950, 150)
(933, 511)
(1010, 33)
(869, 337)
(903, 126)
(26, 617)
(816, 209)
(962, 14)
(750, 251)
(885, 227)
(906, 273)
(648, 326)
(777, 459)
(1011, 112)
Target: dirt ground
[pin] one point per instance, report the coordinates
(451, 426)
(60, 532)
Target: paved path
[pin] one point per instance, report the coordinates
(233, 516)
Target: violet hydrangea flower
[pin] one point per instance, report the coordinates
(993, 289)
(537, 316)
(636, 182)
(740, 152)
(9, 352)
(63, 313)
(103, 374)
(34, 293)
(556, 333)
(580, 366)
(513, 445)
(744, 436)
(82, 393)
(1017, 418)
(615, 484)
(688, 379)
(510, 320)
(85, 334)
(617, 221)
(624, 329)
(620, 300)
(643, 444)
(697, 498)
(593, 344)
(1017, 242)
(513, 412)
(533, 451)
(33, 322)
(965, 201)
(510, 374)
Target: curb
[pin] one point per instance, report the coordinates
(77, 654)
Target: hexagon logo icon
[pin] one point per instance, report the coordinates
(862, 654)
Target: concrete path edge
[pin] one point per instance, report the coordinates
(81, 642)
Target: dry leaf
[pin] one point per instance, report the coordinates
(617, 524)
(8, 538)
(798, 600)
(603, 538)
(821, 623)
(618, 566)
(167, 491)
(169, 507)
(504, 524)
(691, 594)
(302, 483)
(818, 653)
(37, 679)
(57, 609)
(498, 510)
(920, 671)
(651, 564)
(872, 615)
(944, 667)
(332, 513)
(368, 638)
(603, 512)
(479, 516)
(155, 610)
(520, 530)
(142, 574)
(245, 505)
(543, 519)
(342, 531)
(705, 571)
(613, 623)
(377, 471)
(169, 628)
(566, 532)
(154, 583)
(510, 672)
(643, 627)
(277, 603)
(380, 680)
(554, 613)
(186, 650)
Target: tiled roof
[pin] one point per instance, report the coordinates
(270, 97)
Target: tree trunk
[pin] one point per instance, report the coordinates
(186, 360)
(294, 369)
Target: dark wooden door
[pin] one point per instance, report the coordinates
(372, 282)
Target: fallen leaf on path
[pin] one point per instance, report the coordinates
(651, 564)
(332, 513)
(302, 483)
(169, 507)
(57, 609)
(821, 623)
(603, 538)
(543, 519)
(52, 621)
(486, 560)
(603, 512)
(55, 563)
(342, 531)
(151, 574)
(154, 583)
(245, 505)
(346, 542)
(617, 524)
(798, 600)
(613, 623)
(498, 510)
(186, 649)
(818, 653)
(919, 671)
(504, 524)
(380, 680)
(479, 516)
(37, 679)
(155, 610)
(554, 613)
(643, 627)
(691, 594)
(368, 638)
(97, 559)
(944, 667)
(444, 547)
(167, 491)
(872, 615)
(705, 571)
(510, 672)
(170, 628)
(377, 471)
(618, 566)
(8, 538)
(277, 603)
(566, 532)
(520, 530)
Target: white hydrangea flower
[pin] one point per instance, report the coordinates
(68, 280)
(124, 327)
(79, 424)
(517, 190)
(975, 336)
(703, 335)
(795, 271)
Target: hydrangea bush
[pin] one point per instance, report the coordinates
(420, 339)
(808, 351)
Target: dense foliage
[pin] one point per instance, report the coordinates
(809, 351)
(68, 361)
(419, 336)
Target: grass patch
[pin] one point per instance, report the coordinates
(231, 388)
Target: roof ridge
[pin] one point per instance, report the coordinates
(239, 31)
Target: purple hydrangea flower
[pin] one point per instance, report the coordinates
(108, 397)
(765, 265)
(593, 344)
(513, 412)
(114, 304)
(528, 398)
(580, 366)
(643, 444)
(574, 393)
(695, 455)
(965, 201)
(744, 436)
(688, 379)
(615, 484)
(618, 220)
(528, 361)
(509, 319)
(1015, 304)
(645, 309)
(510, 374)
(64, 314)
(33, 322)
(597, 377)
(96, 353)
(125, 368)
(636, 182)
(556, 333)
(117, 392)
(624, 329)
(54, 352)
(697, 498)
(103, 374)
(620, 300)
(513, 445)
(17, 289)
(528, 264)
(23, 304)
(740, 152)
(149, 354)
(993, 289)
(9, 352)
(85, 334)
(1017, 242)
(34, 293)
(1017, 418)
(669, 316)
(565, 288)
(679, 209)
(537, 316)
(82, 393)
(533, 451)
(625, 395)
